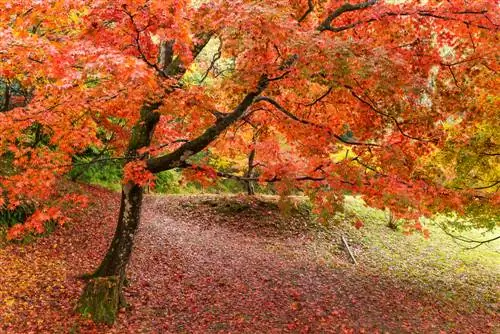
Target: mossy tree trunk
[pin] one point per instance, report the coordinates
(101, 299)
(103, 295)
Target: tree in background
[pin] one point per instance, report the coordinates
(364, 98)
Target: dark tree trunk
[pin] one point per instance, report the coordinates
(102, 295)
(250, 184)
(6, 98)
(119, 251)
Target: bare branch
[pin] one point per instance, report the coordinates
(214, 60)
(279, 77)
(469, 240)
(495, 183)
(490, 154)
(373, 169)
(488, 186)
(454, 77)
(321, 97)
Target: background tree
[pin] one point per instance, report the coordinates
(379, 80)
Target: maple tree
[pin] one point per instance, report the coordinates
(360, 97)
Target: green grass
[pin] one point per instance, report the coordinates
(437, 264)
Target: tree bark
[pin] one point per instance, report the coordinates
(6, 98)
(103, 295)
(250, 184)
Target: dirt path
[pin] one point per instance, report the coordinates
(201, 277)
(194, 271)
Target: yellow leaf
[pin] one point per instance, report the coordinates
(10, 301)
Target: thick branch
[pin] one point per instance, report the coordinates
(347, 7)
(166, 54)
(179, 156)
(326, 25)
(176, 68)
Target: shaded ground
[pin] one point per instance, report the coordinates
(200, 267)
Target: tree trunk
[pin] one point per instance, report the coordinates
(101, 299)
(250, 188)
(103, 295)
(250, 184)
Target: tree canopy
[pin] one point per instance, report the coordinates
(396, 101)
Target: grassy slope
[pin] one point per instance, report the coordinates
(438, 263)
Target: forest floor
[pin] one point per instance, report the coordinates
(206, 264)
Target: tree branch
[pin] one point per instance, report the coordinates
(166, 55)
(347, 7)
(179, 156)
(307, 12)
(321, 97)
(303, 121)
(392, 118)
(214, 60)
(256, 179)
(469, 240)
(489, 154)
(166, 66)
(326, 24)
(479, 188)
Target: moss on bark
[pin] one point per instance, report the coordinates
(101, 299)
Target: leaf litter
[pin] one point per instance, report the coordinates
(201, 267)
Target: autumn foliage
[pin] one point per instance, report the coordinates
(396, 101)
(361, 97)
(387, 84)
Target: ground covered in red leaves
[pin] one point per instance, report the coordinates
(199, 269)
